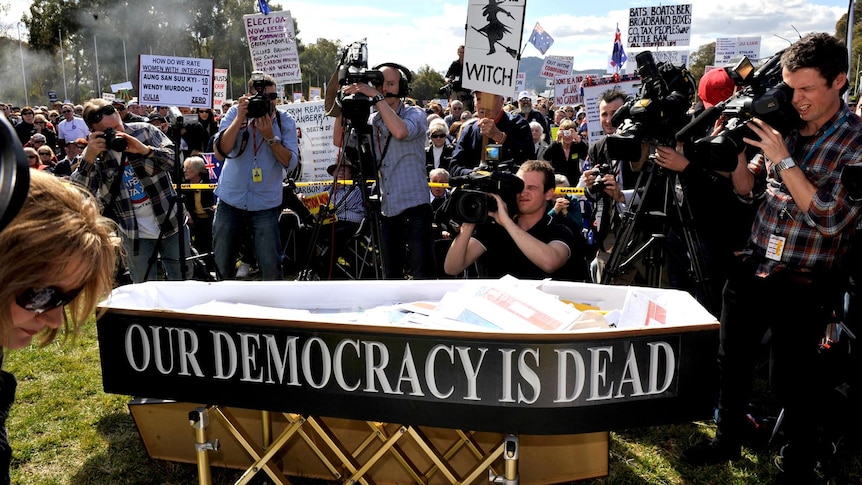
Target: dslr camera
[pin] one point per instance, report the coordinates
(354, 69)
(259, 104)
(472, 201)
(657, 111)
(763, 95)
(601, 170)
(114, 142)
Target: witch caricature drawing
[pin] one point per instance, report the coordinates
(495, 30)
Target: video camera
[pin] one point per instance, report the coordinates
(259, 104)
(764, 95)
(354, 69)
(472, 202)
(657, 111)
(14, 173)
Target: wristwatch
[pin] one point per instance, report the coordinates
(377, 98)
(784, 164)
(273, 140)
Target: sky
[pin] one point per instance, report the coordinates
(416, 33)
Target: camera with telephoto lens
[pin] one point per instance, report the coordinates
(353, 69)
(656, 113)
(445, 91)
(114, 142)
(472, 201)
(600, 170)
(764, 95)
(258, 104)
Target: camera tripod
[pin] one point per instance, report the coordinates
(359, 139)
(648, 217)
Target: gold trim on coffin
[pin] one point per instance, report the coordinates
(353, 451)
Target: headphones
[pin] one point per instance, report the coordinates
(406, 77)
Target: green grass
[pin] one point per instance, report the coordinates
(65, 430)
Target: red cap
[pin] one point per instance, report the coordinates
(715, 86)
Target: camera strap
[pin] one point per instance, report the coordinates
(244, 142)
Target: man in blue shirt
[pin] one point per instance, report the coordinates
(398, 133)
(256, 151)
(511, 131)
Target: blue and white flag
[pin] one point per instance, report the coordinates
(540, 39)
(263, 5)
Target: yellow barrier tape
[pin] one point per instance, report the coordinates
(579, 191)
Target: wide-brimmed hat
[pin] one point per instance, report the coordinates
(345, 163)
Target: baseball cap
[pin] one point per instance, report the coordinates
(715, 86)
(524, 94)
(155, 116)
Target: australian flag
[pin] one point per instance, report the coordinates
(213, 166)
(540, 39)
(618, 57)
(263, 5)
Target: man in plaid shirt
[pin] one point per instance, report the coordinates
(790, 280)
(135, 188)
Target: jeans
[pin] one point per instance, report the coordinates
(230, 225)
(169, 253)
(408, 231)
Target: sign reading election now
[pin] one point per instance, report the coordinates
(176, 81)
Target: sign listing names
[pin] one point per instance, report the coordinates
(176, 81)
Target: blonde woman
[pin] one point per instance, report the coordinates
(57, 261)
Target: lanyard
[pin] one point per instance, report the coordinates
(826, 134)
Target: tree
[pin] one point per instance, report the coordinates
(426, 84)
(702, 57)
(856, 48)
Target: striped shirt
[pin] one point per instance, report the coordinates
(814, 239)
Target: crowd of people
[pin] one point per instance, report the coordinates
(780, 226)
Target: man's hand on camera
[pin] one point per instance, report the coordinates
(667, 157)
(264, 126)
(771, 140)
(361, 88)
(501, 215)
(95, 145)
(242, 107)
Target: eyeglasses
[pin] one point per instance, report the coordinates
(66, 111)
(40, 300)
(438, 136)
(44, 153)
(81, 146)
(100, 113)
(210, 112)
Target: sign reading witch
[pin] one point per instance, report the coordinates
(553, 384)
(492, 45)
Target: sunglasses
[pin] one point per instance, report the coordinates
(271, 95)
(438, 136)
(66, 111)
(32, 156)
(40, 300)
(25, 113)
(100, 113)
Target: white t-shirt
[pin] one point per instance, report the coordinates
(72, 130)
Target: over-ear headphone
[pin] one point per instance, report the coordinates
(406, 77)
